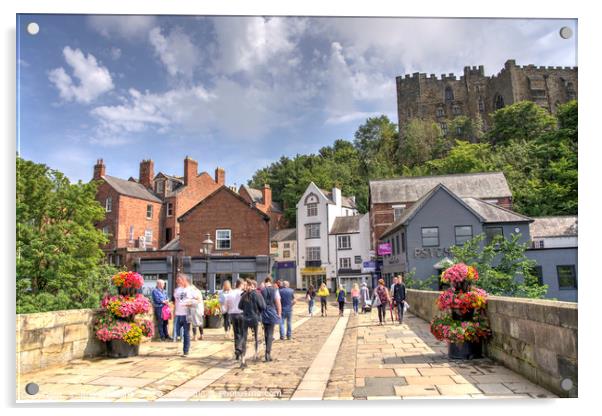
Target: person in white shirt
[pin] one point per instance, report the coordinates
(235, 315)
(183, 298)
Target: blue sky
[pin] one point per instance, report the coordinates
(236, 92)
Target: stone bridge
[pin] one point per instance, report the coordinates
(533, 354)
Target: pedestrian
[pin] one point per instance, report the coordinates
(183, 296)
(235, 315)
(287, 300)
(399, 297)
(160, 300)
(365, 296)
(355, 297)
(197, 313)
(341, 295)
(323, 293)
(310, 296)
(226, 289)
(392, 288)
(252, 306)
(382, 298)
(271, 315)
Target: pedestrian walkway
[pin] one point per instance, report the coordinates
(329, 357)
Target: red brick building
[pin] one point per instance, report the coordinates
(262, 199)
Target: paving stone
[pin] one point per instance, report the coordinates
(416, 390)
(430, 380)
(497, 389)
(379, 386)
(455, 389)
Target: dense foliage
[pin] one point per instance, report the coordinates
(536, 151)
(59, 260)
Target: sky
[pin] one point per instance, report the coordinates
(236, 92)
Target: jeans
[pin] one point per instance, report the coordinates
(323, 304)
(181, 324)
(226, 322)
(382, 312)
(288, 317)
(176, 333)
(341, 306)
(310, 306)
(399, 306)
(161, 324)
(356, 304)
(237, 327)
(268, 330)
(254, 326)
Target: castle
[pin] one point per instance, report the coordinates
(447, 97)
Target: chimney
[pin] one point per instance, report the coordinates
(336, 196)
(220, 176)
(266, 192)
(99, 169)
(191, 168)
(147, 173)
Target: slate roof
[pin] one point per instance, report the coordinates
(286, 234)
(131, 188)
(346, 225)
(564, 226)
(346, 201)
(172, 245)
(257, 197)
(408, 189)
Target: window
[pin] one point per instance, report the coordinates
(397, 211)
(312, 210)
(403, 242)
(409, 113)
(148, 237)
(312, 230)
(344, 242)
(109, 204)
(444, 128)
(287, 245)
(491, 232)
(567, 278)
(312, 253)
(358, 259)
(449, 94)
(223, 239)
(397, 246)
(168, 186)
(440, 112)
(345, 263)
(499, 102)
(537, 271)
(393, 246)
(160, 187)
(169, 209)
(463, 233)
(459, 130)
(481, 105)
(131, 233)
(149, 212)
(106, 230)
(286, 254)
(430, 236)
(456, 110)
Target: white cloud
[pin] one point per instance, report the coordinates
(176, 51)
(127, 27)
(115, 53)
(93, 79)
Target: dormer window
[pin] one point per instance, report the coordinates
(312, 210)
(160, 187)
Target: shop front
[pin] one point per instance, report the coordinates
(313, 276)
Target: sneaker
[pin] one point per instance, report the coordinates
(185, 354)
(281, 338)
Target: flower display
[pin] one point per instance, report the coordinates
(475, 299)
(459, 273)
(130, 332)
(130, 280)
(125, 306)
(213, 307)
(452, 331)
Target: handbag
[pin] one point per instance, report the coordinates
(376, 302)
(406, 306)
(166, 313)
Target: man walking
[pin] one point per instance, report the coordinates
(271, 315)
(183, 297)
(392, 289)
(159, 300)
(399, 297)
(287, 299)
(235, 315)
(252, 305)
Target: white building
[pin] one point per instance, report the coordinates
(283, 250)
(320, 258)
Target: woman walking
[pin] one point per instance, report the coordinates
(223, 296)
(197, 313)
(341, 294)
(252, 305)
(323, 294)
(365, 296)
(271, 315)
(310, 297)
(383, 301)
(355, 297)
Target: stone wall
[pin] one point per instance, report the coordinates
(536, 338)
(55, 338)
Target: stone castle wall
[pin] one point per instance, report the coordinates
(536, 338)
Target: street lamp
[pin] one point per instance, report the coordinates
(207, 246)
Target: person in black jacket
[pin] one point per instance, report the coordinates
(399, 296)
(252, 305)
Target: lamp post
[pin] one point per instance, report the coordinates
(207, 246)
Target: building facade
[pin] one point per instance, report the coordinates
(283, 251)
(262, 199)
(389, 198)
(475, 94)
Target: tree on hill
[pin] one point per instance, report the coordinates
(524, 120)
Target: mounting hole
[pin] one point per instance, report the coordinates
(566, 32)
(566, 384)
(32, 389)
(33, 28)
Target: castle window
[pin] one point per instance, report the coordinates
(449, 94)
(444, 128)
(481, 105)
(456, 110)
(570, 91)
(440, 112)
(458, 130)
(499, 102)
(409, 113)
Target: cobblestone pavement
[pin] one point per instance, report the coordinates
(351, 358)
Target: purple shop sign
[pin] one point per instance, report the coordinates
(384, 249)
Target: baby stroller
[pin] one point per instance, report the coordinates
(368, 306)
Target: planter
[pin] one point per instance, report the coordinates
(127, 291)
(466, 316)
(214, 321)
(120, 349)
(465, 350)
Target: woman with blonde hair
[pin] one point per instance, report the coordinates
(355, 297)
(323, 294)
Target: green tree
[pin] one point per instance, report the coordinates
(466, 128)
(422, 140)
(524, 120)
(377, 143)
(59, 260)
(503, 268)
